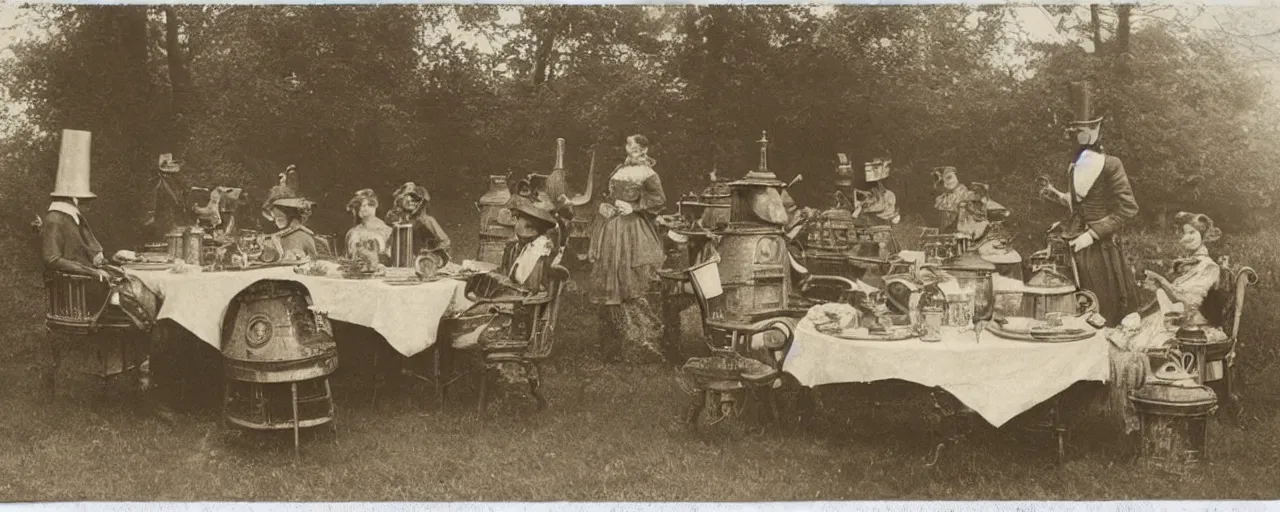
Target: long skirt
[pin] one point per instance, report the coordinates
(631, 331)
(626, 252)
(1104, 271)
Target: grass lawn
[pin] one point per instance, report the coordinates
(612, 432)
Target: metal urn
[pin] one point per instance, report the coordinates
(497, 226)
(278, 352)
(973, 274)
(717, 199)
(1048, 291)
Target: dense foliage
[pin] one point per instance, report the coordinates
(361, 96)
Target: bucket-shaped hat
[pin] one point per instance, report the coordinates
(73, 166)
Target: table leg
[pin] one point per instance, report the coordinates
(950, 422)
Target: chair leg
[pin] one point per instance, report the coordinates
(293, 389)
(533, 385)
(333, 410)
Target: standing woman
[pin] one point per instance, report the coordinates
(1101, 201)
(626, 253)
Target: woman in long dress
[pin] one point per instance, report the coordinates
(371, 234)
(626, 252)
(1139, 334)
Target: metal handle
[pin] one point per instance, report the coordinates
(1093, 300)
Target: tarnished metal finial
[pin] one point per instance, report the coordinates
(764, 151)
(559, 154)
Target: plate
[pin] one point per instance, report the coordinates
(148, 266)
(860, 334)
(404, 282)
(1041, 336)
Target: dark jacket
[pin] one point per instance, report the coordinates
(1109, 203)
(67, 246)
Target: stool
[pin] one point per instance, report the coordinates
(278, 352)
(281, 405)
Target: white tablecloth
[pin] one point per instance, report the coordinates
(407, 316)
(996, 377)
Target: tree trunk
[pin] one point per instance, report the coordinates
(179, 83)
(1121, 54)
(542, 56)
(713, 80)
(1095, 25)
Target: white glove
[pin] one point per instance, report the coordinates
(1082, 241)
(624, 207)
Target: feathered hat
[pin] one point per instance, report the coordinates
(285, 194)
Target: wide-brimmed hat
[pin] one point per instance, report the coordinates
(538, 209)
(73, 166)
(284, 197)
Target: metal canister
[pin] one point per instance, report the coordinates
(932, 320)
(193, 245)
(402, 254)
(174, 239)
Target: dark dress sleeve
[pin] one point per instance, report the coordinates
(652, 198)
(1123, 206)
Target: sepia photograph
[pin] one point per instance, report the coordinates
(633, 253)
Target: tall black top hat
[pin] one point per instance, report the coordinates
(1081, 105)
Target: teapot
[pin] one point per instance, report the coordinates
(426, 265)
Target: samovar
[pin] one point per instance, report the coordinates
(1050, 292)
(754, 265)
(497, 226)
(278, 352)
(976, 303)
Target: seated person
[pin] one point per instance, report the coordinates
(370, 235)
(1196, 275)
(522, 276)
(412, 206)
(288, 213)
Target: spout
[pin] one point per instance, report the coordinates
(797, 179)
(585, 197)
